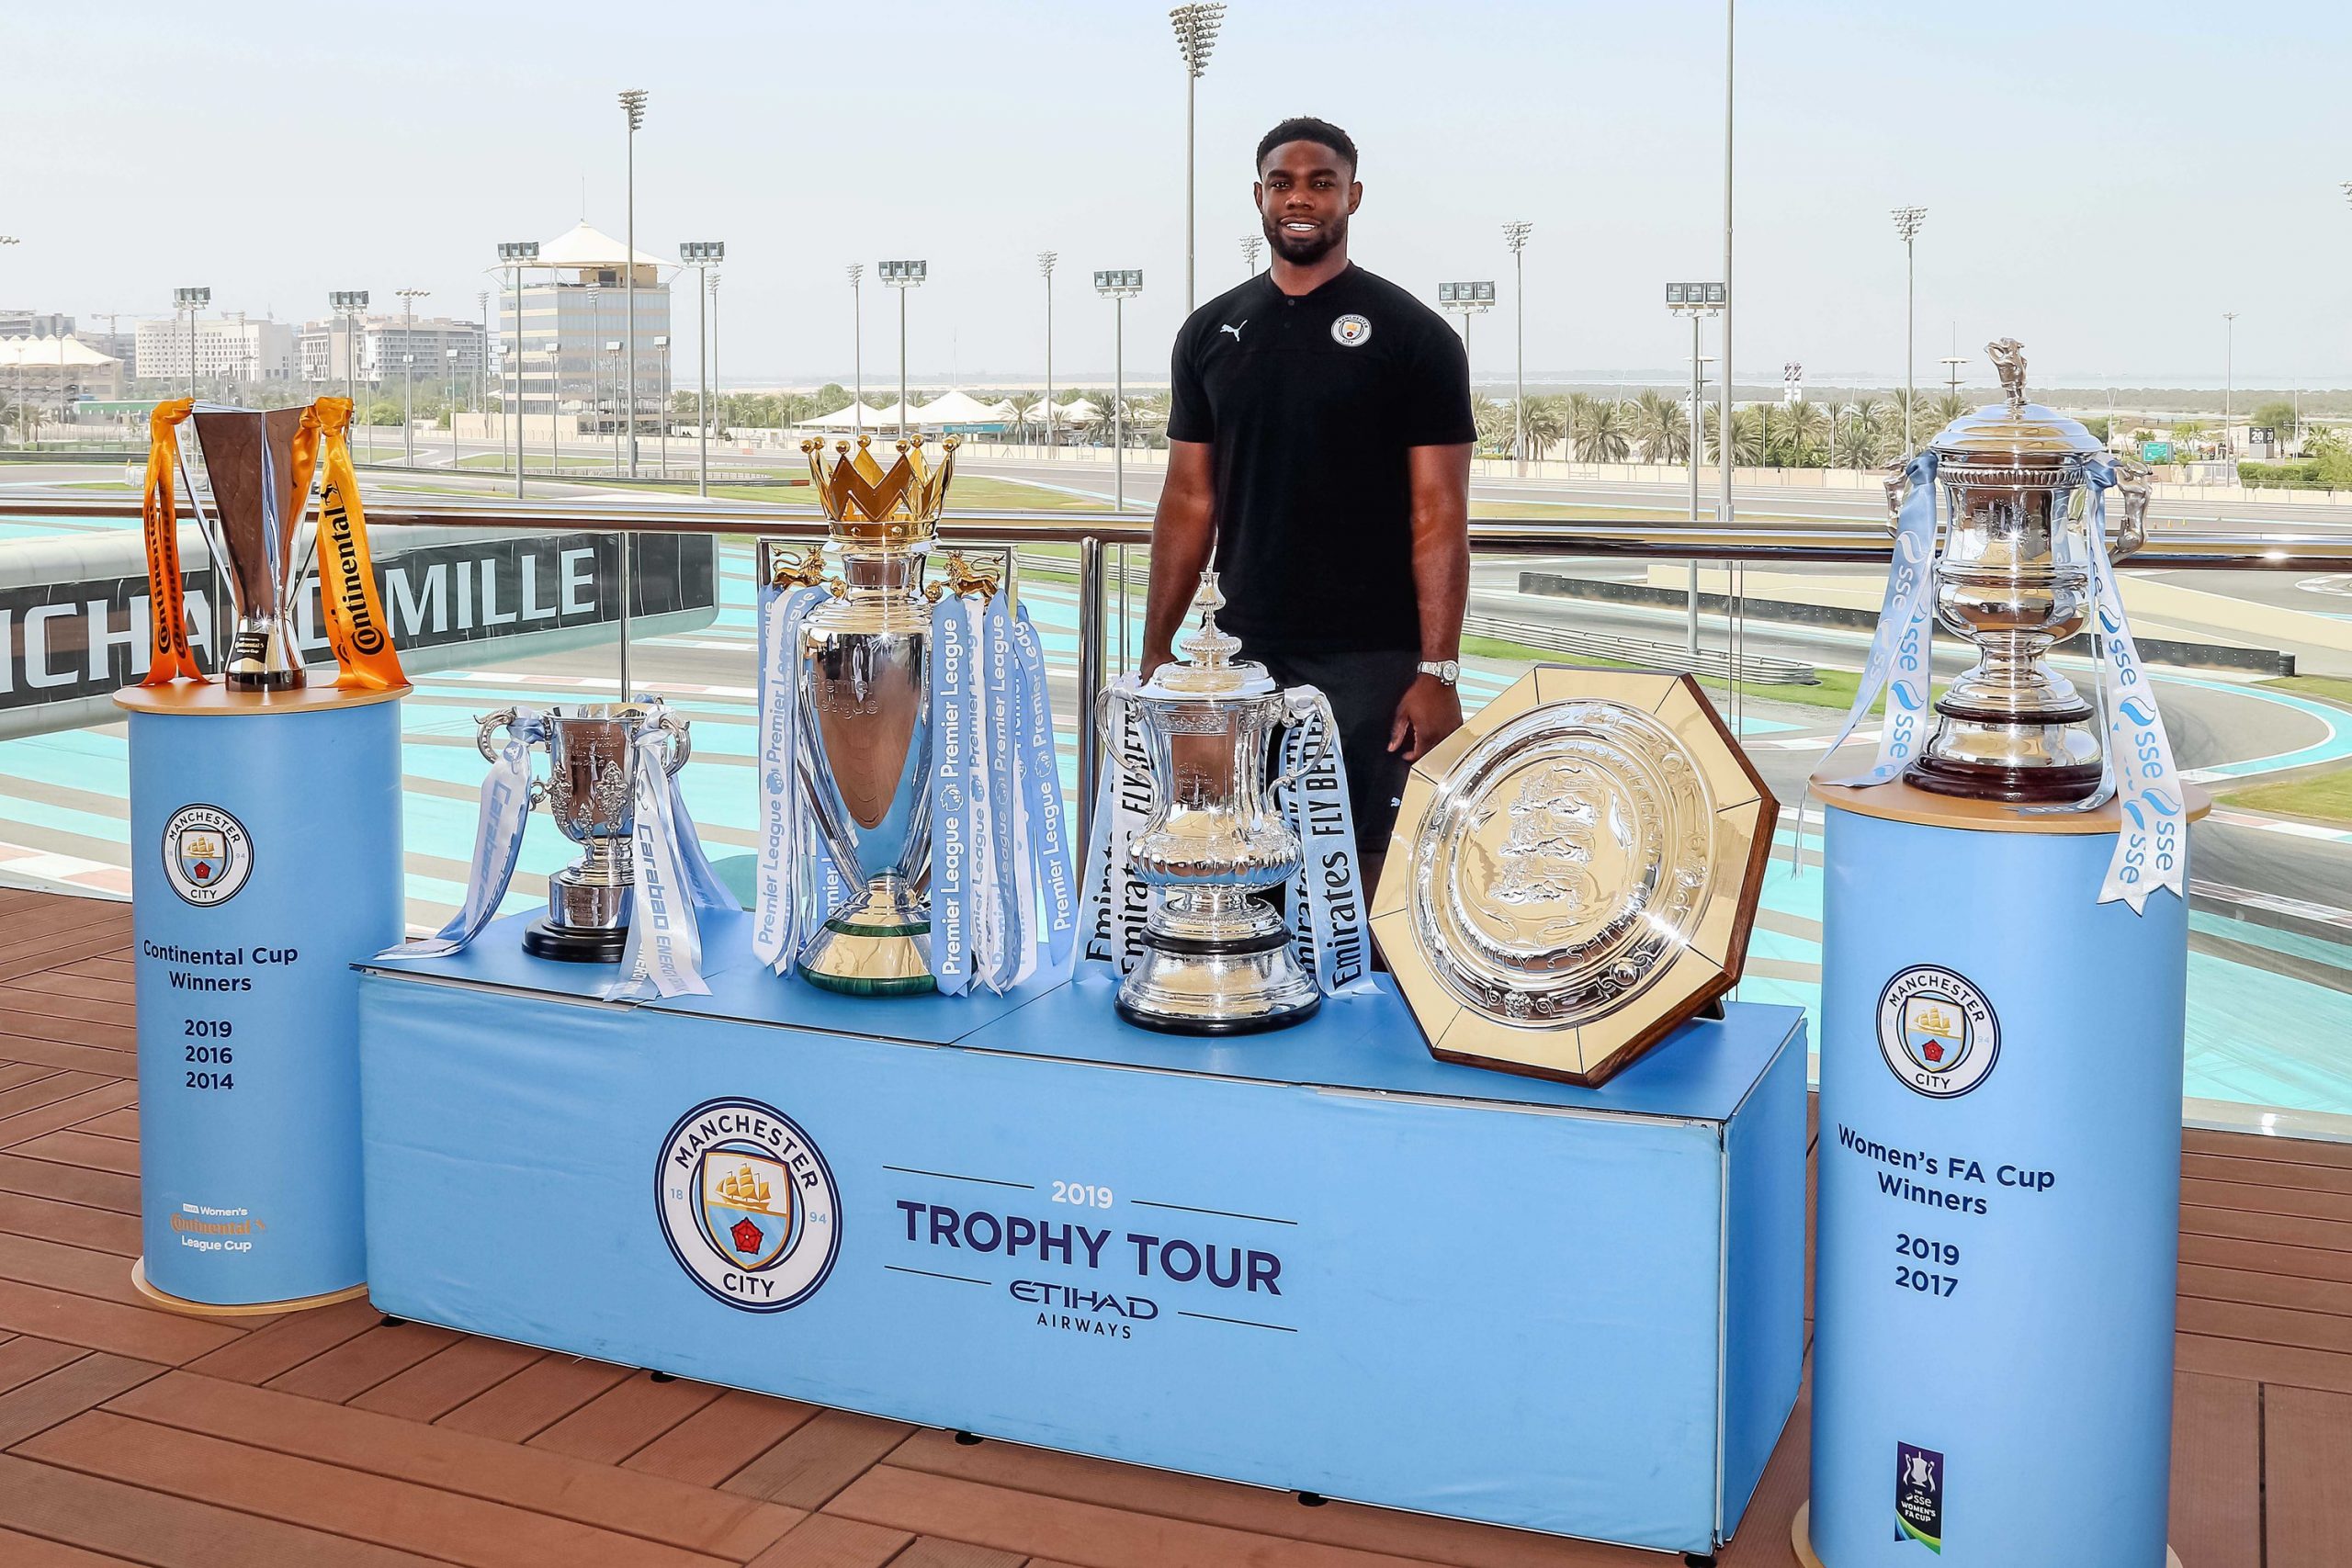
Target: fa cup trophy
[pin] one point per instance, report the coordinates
(2015, 578)
(591, 790)
(864, 674)
(259, 492)
(1216, 958)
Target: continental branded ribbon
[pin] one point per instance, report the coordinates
(797, 887)
(1902, 646)
(508, 793)
(170, 658)
(671, 881)
(357, 628)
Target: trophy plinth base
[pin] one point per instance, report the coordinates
(2010, 783)
(575, 944)
(1184, 986)
(859, 960)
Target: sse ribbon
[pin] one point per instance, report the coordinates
(2151, 843)
(1902, 646)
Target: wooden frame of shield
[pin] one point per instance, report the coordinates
(1563, 862)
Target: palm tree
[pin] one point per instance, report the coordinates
(1863, 435)
(1493, 422)
(1597, 430)
(1947, 407)
(1796, 436)
(1662, 426)
(1547, 420)
(1747, 436)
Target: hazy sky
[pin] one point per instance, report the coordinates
(2102, 181)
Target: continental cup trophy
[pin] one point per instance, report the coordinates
(591, 791)
(2014, 578)
(1216, 957)
(259, 493)
(863, 671)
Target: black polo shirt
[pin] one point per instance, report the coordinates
(1309, 404)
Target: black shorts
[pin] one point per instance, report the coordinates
(1364, 689)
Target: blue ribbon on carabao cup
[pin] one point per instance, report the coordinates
(674, 882)
(508, 793)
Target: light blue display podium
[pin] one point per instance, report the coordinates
(1997, 1233)
(265, 860)
(1318, 1260)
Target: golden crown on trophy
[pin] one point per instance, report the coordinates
(903, 503)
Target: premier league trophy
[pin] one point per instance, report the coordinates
(2015, 578)
(864, 674)
(1216, 958)
(591, 789)
(259, 493)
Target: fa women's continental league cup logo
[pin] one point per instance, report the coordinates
(208, 854)
(1936, 1031)
(747, 1204)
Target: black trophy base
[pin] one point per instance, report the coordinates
(2010, 784)
(574, 944)
(262, 679)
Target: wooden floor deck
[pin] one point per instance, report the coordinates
(335, 1436)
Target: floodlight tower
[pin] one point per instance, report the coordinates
(1250, 245)
(1515, 236)
(516, 254)
(1698, 301)
(1907, 223)
(1465, 301)
(1117, 287)
(633, 106)
(857, 345)
(903, 275)
(1045, 260)
(2229, 379)
(407, 297)
(191, 300)
(1196, 26)
(702, 255)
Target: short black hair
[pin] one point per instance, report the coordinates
(1306, 128)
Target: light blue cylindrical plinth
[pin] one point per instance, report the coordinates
(265, 856)
(1998, 1218)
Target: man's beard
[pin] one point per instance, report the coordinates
(1305, 250)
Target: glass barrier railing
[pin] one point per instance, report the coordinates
(2249, 632)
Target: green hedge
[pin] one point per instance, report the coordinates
(2281, 476)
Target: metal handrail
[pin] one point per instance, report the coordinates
(1635, 538)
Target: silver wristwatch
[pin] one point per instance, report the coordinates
(1447, 670)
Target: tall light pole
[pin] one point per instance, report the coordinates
(1045, 260)
(1907, 223)
(1252, 244)
(482, 363)
(407, 297)
(1196, 26)
(1698, 301)
(519, 255)
(555, 408)
(701, 254)
(632, 105)
(1116, 286)
(662, 419)
(857, 345)
(191, 300)
(348, 304)
(717, 392)
(903, 275)
(451, 356)
(2229, 379)
(613, 347)
(1515, 236)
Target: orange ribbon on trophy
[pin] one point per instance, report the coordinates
(357, 629)
(171, 657)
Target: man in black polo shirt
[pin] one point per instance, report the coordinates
(1320, 442)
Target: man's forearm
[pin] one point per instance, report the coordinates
(1441, 583)
(1184, 533)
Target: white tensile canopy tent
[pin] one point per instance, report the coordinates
(854, 416)
(50, 353)
(957, 408)
(587, 247)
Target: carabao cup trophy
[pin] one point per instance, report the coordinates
(591, 790)
(1215, 958)
(259, 493)
(864, 663)
(2015, 578)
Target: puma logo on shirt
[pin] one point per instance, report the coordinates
(1234, 330)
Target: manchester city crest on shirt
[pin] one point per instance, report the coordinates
(208, 854)
(1936, 1031)
(1352, 331)
(748, 1204)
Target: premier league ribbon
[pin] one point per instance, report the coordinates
(507, 796)
(1008, 922)
(789, 855)
(1043, 821)
(671, 880)
(957, 812)
(2151, 844)
(1326, 907)
(1901, 648)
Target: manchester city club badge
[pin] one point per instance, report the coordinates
(208, 854)
(1352, 331)
(747, 1204)
(1936, 1031)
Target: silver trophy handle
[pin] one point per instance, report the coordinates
(1106, 729)
(2134, 481)
(1301, 704)
(1897, 478)
(490, 722)
(681, 747)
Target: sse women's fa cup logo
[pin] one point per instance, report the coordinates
(747, 1204)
